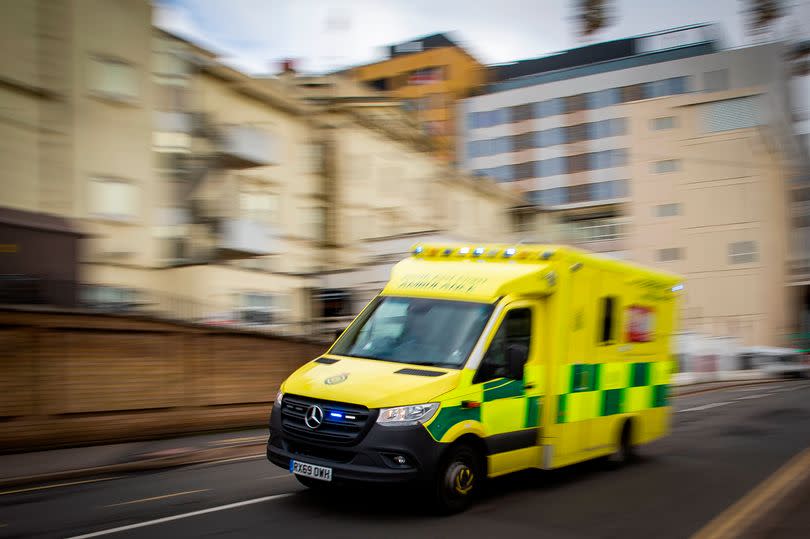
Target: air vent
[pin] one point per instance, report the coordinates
(326, 360)
(419, 372)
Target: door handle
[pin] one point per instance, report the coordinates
(528, 386)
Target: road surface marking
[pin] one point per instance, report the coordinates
(277, 476)
(31, 489)
(181, 516)
(758, 396)
(777, 388)
(704, 407)
(735, 520)
(221, 461)
(153, 498)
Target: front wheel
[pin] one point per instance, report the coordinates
(458, 479)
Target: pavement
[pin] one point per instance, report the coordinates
(734, 452)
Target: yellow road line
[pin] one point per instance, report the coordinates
(163, 497)
(739, 517)
(43, 487)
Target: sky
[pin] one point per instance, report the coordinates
(324, 35)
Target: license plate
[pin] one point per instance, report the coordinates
(310, 470)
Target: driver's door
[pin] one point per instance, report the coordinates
(510, 378)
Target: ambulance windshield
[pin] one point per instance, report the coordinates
(420, 331)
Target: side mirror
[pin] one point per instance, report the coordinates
(516, 356)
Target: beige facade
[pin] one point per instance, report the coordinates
(709, 202)
(206, 194)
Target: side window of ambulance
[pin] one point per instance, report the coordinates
(607, 313)
(515, 331)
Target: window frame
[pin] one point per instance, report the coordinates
(493, 333)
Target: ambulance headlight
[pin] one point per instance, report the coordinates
(407, 415)
(279, 396)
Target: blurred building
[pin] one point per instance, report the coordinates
(677, 154)
(799, 262)
(429, 74)
(76, 130)
(201, 193)
(386, 192)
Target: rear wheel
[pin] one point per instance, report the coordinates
(625, 451)
(458, 479)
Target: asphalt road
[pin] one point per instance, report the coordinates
(723, 444)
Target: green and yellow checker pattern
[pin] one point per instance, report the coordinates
(586, 391)
(502, 406)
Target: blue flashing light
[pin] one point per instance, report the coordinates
(418, 250)
(463, 251)
(509, 252)
(336, 415)
(447, 252)
(478, 251)
(677, 287)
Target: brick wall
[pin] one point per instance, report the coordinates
(74, 378)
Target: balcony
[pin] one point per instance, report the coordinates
(245, 238)
(246, 146)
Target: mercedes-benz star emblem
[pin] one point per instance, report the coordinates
(314, 417)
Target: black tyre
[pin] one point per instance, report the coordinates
(625, 451)
(458, 479)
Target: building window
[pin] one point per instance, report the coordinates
(578, 132)
(524, 141)
(667, 165)
(523, 171)
(668, 210)
(728, 114)
(664, 122)
(580, 193)
(551, 107)
(677, 85)
(575, 103)
(113, 79)
(669, 254)
(603, 98)
(715, 81)
(113, 199)
(520, 113)
(258, 206)
(742, 252)
(633, 92)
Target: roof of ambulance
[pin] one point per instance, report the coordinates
(485, 272)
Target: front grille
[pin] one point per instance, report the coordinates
(348, 429)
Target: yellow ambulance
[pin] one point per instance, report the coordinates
(477, 361)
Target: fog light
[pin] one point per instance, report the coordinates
(399, 459)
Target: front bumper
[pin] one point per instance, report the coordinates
(369, 460)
